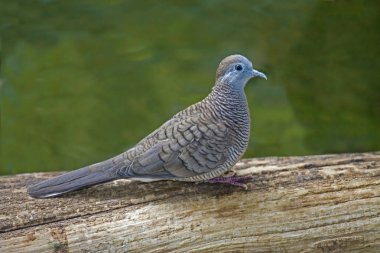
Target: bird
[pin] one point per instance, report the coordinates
(198, 144)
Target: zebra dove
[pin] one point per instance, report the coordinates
(197, 144)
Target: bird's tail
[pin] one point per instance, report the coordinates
(91, 175)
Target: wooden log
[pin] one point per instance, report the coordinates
(328, 203)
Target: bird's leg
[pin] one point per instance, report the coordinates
(232, 180)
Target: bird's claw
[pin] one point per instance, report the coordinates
(239, 181)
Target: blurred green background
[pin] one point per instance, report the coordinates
(82, 81)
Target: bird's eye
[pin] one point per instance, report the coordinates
(239, 67)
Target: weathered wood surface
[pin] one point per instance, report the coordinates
(325, 203)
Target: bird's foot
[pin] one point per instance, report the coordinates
(232, 180)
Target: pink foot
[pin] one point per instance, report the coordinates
(232, 180)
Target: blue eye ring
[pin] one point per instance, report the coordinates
(238, 67)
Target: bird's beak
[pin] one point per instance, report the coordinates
(255, 72)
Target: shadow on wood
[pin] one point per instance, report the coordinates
(328, 203)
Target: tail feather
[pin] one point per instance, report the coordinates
(74, 180)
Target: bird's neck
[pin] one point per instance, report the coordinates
(229, 99)
(228, 92)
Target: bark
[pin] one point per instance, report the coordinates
(328, 203)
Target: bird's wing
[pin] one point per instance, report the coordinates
(185, 148)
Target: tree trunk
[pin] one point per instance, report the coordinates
(328, 203)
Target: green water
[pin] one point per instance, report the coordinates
(84, 80)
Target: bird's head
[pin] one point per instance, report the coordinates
(236, 71)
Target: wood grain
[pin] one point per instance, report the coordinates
(328, 203)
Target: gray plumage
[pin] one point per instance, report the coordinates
(199, 143)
